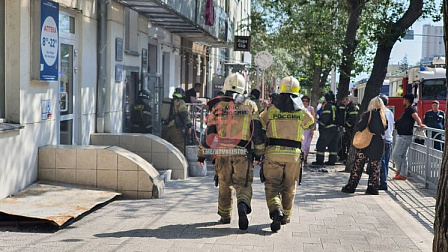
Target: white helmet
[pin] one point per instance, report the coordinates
(289, 85)
(235, 82)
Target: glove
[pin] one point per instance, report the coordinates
(262, 177)
(216, 179)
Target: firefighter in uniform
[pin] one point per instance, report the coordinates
(141, 113)
(328, 133)
(178, 122)
(284, 123)
(351, 112)
(233, 127)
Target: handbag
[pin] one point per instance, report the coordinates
(362, 138)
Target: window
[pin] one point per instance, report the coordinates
(66, 24)
(131, 39)
(434, 89)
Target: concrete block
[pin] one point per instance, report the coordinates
(107, 160)
(65, 158)
(127, 180)
(47, 157)
(86, 159)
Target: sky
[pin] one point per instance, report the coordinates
(410, 48)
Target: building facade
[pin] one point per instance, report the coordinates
(432, 43)
(107, 50)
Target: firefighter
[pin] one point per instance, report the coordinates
(233, 126)
(141, 113)
(351, 112)
(284, 123)
(178, 122)
(328, 132)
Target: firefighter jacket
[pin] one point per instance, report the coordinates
(179, 116)
(232, 126)
(350, 115)
(341, 115)
(284, 131)
(328, 116)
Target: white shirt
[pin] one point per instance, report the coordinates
(390, 125)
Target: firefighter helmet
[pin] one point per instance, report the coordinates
(179, 93)
(235, 82)
(289, 85)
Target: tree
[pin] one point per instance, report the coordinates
(355, 8)
(390, 27)
(440, 242)
(307, 32)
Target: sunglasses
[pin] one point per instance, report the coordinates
(304, 100)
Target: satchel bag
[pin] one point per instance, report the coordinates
(362, 138)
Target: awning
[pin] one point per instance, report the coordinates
(162, 15)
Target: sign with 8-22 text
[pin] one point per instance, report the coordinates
(49, 41)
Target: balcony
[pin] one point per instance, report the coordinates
(185, 18)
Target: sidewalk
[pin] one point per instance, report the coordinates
(323, 219)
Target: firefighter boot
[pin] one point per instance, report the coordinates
(243, 222)
(277, 217)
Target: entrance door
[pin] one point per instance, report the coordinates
(67, 98)
(131, 89)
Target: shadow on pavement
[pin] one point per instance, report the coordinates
(188, 231)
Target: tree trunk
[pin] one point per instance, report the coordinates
(317, 91)
(348, 50)
(379, 71)
(440, 242)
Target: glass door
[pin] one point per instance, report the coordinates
(66, 95)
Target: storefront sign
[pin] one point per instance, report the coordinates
(242, 43)
(49, 41)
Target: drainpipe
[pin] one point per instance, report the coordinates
(102, 61)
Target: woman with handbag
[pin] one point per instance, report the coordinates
(372, 147)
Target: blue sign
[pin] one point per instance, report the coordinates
(49, 41)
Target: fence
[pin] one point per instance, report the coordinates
(425, 156)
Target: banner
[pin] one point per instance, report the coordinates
(49, 41)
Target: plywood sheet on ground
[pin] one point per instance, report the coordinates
(56, 203)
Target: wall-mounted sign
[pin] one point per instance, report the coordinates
(263, 59)
(242, 43)
(49, 41)
(118, 73)
(45, 109)
(144, 60)
(118, 49)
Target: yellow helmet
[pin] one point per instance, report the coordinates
(235, 82)
(289, 85)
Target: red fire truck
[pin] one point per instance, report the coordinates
(426, 83)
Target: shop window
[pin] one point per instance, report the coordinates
(131, 39)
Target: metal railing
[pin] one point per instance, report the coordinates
(425, 156)
(197, 112)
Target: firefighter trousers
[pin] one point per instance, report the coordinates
(232, 173)
(327, 138)
(175, 136)
(280, 184)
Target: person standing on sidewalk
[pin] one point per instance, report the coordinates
(284, 123)
(307, 133)
(384, 170)
(328, 133)
(233, 126)
(348, 122)
(405, 127)
(375, 119)
(435, 118)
